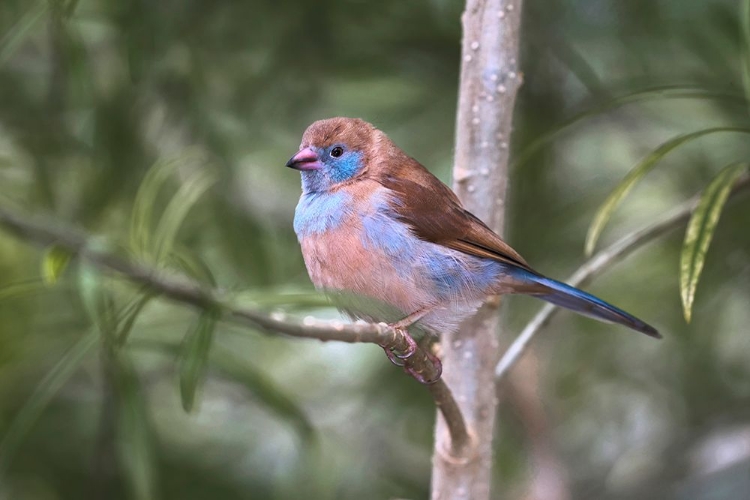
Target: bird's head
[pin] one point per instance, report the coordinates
(336, 151)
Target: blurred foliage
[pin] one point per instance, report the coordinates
(163, 129)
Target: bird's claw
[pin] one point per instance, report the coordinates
(392, 357)
(406, 359)
(399, 358)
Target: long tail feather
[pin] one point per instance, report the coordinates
(584, 303)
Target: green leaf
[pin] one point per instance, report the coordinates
(18, 33)
(21, 288)
(177, 210)
(141, 223)
(134, 434)
(700, 231)
(194, 357)
(145, 203)
(43, 394)
(54, 262)
(194, 266)
(605, 211)
(97, 300)
(90, 289)
(128, 315)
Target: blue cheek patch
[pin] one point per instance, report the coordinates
(334, 170)
(344, 167)
(319, 212)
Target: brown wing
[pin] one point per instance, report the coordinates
(435, 214)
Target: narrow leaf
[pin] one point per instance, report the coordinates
(194, 266)
(54, 262)
(90, 289)
(605, 211)
(21, 288)
(18, 33)
(700, 231)
(177, 210)
(194, 357)
(141, 223)
(43, 394)
(145, 203)
(128, 315)
(97, 300)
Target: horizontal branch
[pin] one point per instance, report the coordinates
(182, 289)
(597, 264)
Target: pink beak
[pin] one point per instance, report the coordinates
(305, 159)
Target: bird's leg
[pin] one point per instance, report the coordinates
(410, 319)
(403, 325)
(406, 359)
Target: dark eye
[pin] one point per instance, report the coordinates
(337, 151)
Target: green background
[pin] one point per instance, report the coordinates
(94, 93)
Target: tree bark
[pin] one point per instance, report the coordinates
(487, 91)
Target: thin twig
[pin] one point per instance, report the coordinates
(460, 439)
(184, 290)
(597, 264)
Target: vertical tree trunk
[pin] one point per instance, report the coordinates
(489, 82)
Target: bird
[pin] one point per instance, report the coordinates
(392, 243)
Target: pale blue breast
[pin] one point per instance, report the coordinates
(319, 212)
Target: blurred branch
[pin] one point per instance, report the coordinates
(599, 263)
(182, 289)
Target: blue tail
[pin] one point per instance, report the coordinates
(583, 303)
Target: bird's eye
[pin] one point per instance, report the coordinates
(337, 151)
